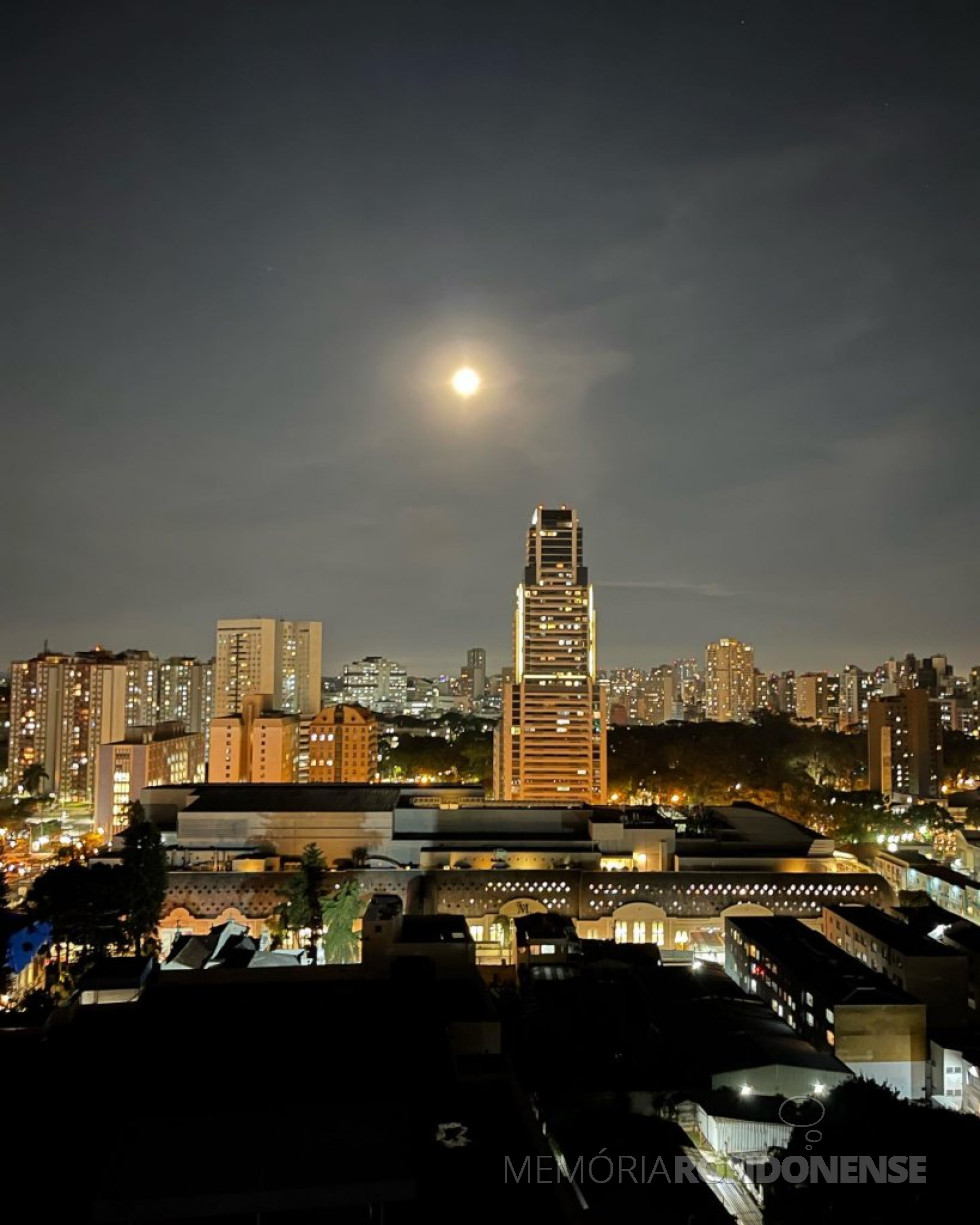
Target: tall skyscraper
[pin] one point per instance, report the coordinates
(905, 750)
(262, 655)
(729, 681)
(550, 742)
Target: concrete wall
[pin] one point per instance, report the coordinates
(885, 1042)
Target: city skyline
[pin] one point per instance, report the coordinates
(737, 336)
(451, 661)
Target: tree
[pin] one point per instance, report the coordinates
(339, 915)
(144, 866)
(84, 905)
(34, 777)
(303, 897)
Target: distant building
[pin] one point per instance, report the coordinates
(376, 683)
(812, 697)
(263, 655)
(729, 681)
(550, 742)
(62, 707)
(343, 746)
(855, 693)
(905, 752)
(256, 745)
(476, 670)
(147, 757)
(187, 692)
(142, 687)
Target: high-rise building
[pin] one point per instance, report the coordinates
(302, 666)
(343, 746)
(93, 712)
(62, 708)
(142, 687)
(855, 693)
(476, 664)
(729, 681)
(786, 693)
(905, 751)
(35, 723)
(934, 674)
(255, 745)
(263, 655)
(550, 742)
(658, 699)
(187, 692)
(812, 697)
(377, 683)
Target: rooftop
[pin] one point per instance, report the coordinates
(819, 964)
(890, 931)
(748, 829)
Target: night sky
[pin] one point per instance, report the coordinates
(718, 264)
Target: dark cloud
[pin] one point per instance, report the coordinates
(717, 261)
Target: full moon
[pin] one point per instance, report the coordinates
(465, 382)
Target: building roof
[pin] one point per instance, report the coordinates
(292, 797)
(737, 1033)
(890, 931)
(820, 965)
(964, 934)
(748, 829)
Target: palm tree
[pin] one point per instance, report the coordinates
(34, 777)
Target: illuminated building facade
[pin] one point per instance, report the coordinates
(263, 655)
(148, 757)
(377, 684)
(142, 688)
(343, 746)
(187, 692)
(255, 745)
(812, 697)
(550, 743)
(729, 681)
(905, 750)
(62, 708)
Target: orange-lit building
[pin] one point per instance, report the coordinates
(550, 742)
(343, 745)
